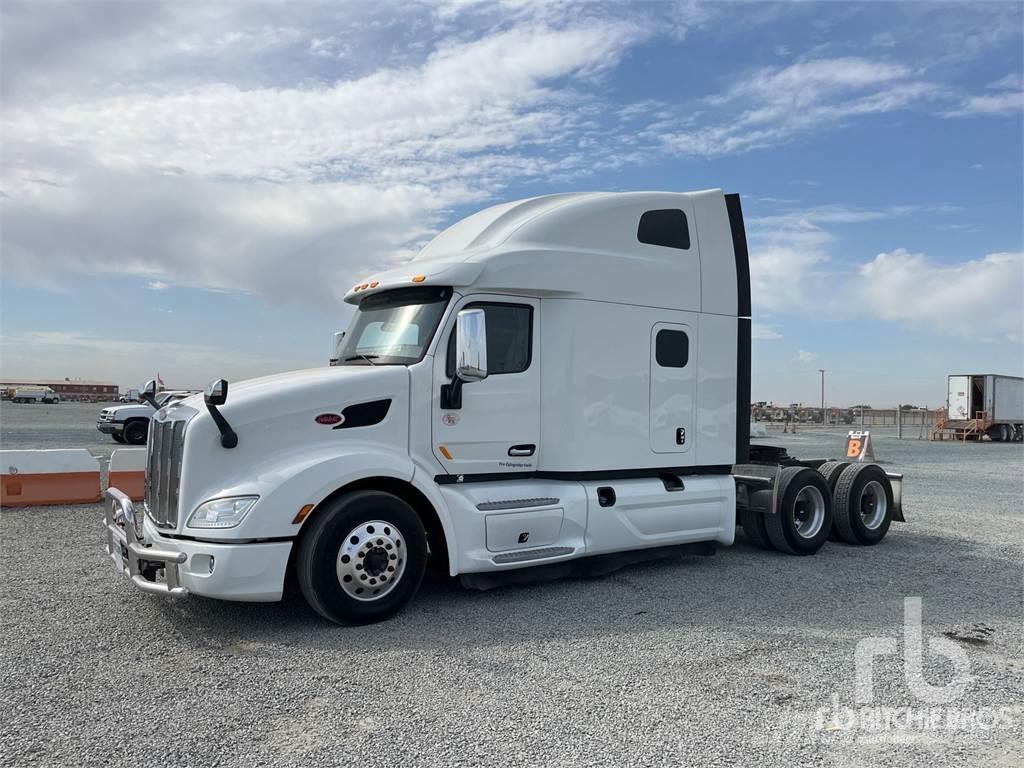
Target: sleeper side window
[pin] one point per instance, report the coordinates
(667, 228)
(509, 338)
(672, 349)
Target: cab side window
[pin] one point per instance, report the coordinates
(509, 338)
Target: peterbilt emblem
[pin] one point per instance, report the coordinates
(329, 418)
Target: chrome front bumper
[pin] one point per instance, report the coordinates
(128, 552)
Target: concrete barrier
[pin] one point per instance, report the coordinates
(64, 476)
(128, 472)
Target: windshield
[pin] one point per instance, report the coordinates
(165, 397)
(394, 328)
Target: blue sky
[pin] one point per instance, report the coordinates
(191, 188)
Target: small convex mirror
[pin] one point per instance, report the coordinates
(471, 345)
(216, 392)
(339, 340)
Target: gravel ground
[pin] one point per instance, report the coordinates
(732, 659)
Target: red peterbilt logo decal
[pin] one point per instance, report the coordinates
(329, 418)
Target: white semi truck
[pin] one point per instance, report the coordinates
(35, 395)
(555, 385)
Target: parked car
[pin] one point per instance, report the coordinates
(130, 423)
(35, 395)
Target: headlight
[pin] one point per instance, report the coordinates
(221, 513)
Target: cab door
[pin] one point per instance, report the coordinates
(672, 388)
(497, 428)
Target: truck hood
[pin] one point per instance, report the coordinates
(297, 391)
(279, 412)
(286, 422)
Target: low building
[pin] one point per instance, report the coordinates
(80, 390)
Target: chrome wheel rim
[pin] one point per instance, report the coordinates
(873, 505)
(809, 512)
(371, 560)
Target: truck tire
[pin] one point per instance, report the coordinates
(362, 558)
(136, 431)
(863, 504)
(1005, 433)
(754, 528)
(118, 438)
(831, 470)
(803, 519)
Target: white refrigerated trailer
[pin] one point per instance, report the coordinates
(993, 401)
(552, 386)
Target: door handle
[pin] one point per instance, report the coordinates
(522, 450)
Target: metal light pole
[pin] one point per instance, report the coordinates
(822, 372)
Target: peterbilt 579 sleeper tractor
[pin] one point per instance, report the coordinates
(559, 383)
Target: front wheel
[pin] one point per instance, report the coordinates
(135, 432)
(118, 438)
(363, 558)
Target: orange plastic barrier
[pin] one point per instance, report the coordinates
(30, 478)
(128, 472)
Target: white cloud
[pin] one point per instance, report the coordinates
(806, 357)
(981, 299)
(294, 192)
(774, 104)
(1007, 103)
(407, 124)
(791, 265)
(157, 285)
(764, 332)
(1012, 81)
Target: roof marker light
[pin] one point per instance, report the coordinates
(374, 284)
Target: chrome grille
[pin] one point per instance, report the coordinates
(163, 471)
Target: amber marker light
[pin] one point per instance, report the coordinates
(444, 452)
(303, 514)
(419, 278)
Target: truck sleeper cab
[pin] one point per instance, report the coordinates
(551, 382)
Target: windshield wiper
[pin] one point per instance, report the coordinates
(358, 355)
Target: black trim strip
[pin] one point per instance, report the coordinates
(742, 390)
(601, 474)
(743, 313)
(364, 414)
(739, 249)
(198, 540)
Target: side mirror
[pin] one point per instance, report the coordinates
(216, 392)
(147, 394)
(339, 339)
(471, 345)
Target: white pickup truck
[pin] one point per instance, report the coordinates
(130, 423)
(552, 386)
